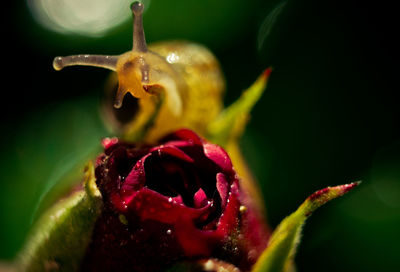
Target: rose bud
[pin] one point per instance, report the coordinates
(178, 201)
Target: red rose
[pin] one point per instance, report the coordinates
(180, 200)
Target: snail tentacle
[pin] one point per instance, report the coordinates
(103, 61)
(139, 40)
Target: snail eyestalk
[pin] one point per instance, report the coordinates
(139, 40)
(108, 62)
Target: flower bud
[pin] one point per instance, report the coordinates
(176, 201)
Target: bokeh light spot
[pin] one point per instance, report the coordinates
(92, 18)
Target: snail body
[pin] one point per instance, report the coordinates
(200, 70)
(177, 84)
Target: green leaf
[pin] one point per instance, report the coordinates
(230, 124)
(62, 234)
(283, 243)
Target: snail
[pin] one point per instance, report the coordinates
(174, 83)
(171, 85)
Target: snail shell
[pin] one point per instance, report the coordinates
(173, 84)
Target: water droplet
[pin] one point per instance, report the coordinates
(169, 231)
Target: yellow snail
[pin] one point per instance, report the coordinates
(178, 83)
(175, 84)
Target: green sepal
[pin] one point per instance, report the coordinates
(230, 124)
(284, 240)
(61, 236)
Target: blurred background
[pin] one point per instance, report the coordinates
(330, 114)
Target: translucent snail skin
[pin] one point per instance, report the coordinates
(177, 83)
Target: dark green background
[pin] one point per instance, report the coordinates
(330, 114)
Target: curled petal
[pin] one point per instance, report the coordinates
(200, 199)
(229, 218)
(222, 187)
(136, 178)
(218, 156)
(172, 151)
(187, 135)
(149, 204)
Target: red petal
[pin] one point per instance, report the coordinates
(195, 242)
(178, 143)
(229, 217)
(173, 151)
(218, 156)
(118, 202)
(200, 199)
(136, 178)
(188, 135)
(109, 142)
(149, 204)
(178, 199)
(222, 187)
